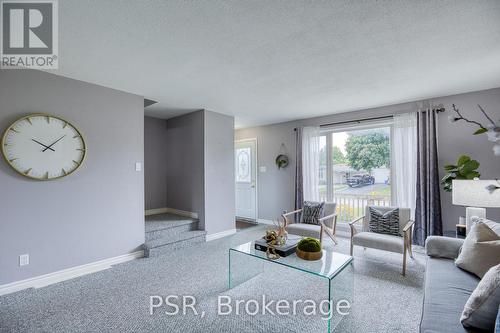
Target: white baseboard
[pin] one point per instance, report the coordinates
(67, 274)
(264, 221)
(164, 210)
(221, 234)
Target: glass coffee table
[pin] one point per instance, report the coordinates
(333, 272)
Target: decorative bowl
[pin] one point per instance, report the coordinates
(309, 255)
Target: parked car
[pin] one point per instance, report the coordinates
(360, 180)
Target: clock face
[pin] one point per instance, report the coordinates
(43, 147)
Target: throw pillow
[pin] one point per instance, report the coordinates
(311, 212)
(495, 226)
(384, 223)
(497, 325)
(480, 251)
(481, 308)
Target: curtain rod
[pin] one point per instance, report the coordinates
(439, 110)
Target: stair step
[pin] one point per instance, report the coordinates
(171, 230)
(168, 243)
(164, 225)
(166, 221)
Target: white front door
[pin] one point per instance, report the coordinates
(246, 175)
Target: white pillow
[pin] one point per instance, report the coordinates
(480, 250)
(495, 226)
(481, 308)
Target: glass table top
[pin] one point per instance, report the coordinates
(328, 266)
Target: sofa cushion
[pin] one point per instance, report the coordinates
(443, 247)
(447, 289)
(481, 250)
(404, 216)
(481, 308)
(311, 212)
(304, 229)
(379, 241)
(384, 222)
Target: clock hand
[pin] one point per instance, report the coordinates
(43, 145)
(53, 143)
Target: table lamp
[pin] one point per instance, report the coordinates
(476, 195)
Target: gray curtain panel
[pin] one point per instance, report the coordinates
(299, 191)
(428, 206)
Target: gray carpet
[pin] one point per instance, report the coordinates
(117, 300)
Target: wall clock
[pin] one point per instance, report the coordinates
(43, 147)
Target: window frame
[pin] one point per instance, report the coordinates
(364, 125)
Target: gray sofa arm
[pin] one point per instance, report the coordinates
(444, 247)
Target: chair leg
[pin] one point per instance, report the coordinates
(331, 235)
(404, 256)
(410, 249)
(409, 244)
(350, 253)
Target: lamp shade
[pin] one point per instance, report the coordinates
(474, 193)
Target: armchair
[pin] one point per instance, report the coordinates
(392, 243)
(327, 224)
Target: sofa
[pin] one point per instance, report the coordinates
(447, 287)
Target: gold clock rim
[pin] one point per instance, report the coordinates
(4, 137)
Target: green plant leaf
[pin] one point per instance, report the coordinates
(463, 159)
(468, 167)
(480, 131)
(448, 176)
(450, 167)
(473, 174)
(447, 188)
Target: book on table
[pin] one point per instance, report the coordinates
(282, 250)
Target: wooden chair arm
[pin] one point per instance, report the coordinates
(324, 218)
(285, 215)
(356, 220)
(408, 226)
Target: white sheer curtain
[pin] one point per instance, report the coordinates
(404, 161)
(310, 163)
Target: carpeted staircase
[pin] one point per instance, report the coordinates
(168, 232)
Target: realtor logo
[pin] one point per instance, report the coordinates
(29, 34)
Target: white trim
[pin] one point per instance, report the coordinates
(221, 234)
(68, 273)
(264, 221)
(164, 210)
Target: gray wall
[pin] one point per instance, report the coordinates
(219, 172)
(185, 176)
(200, 173)
(93, 214)
(155, 163)
(276, 187)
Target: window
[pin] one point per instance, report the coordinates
(355, 168)
(243, 164)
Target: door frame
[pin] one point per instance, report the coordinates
(256, 173)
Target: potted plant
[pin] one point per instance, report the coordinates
(309, 249)
(466, 168)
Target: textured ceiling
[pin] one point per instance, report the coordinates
(273, 61)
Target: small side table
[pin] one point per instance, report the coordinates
(461, 230)
(458, 233)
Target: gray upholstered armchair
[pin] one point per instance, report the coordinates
(327, 223)
(392, 243)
